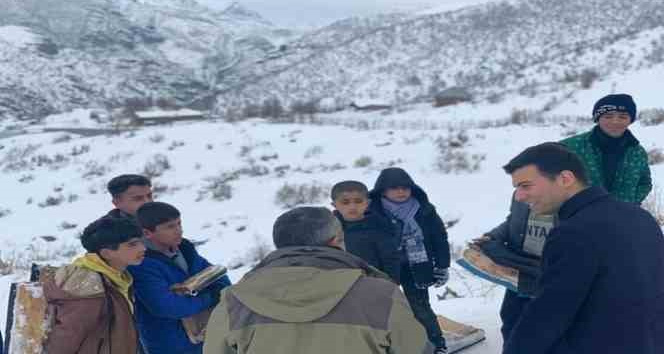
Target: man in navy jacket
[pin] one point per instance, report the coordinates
(169, 259)
(602, 286)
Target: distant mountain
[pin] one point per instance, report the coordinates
(527, 47)
(97, 52)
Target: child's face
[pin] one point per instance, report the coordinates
(397, 194)
(128, 253)
(614, 124)
(167, 235)
(351, 205)
(133, 198)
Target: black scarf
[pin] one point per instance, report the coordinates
(613, 152)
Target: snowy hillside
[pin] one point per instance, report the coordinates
(531, 47)
(99, 52)
(534, 68)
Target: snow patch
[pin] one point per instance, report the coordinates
(18, 36)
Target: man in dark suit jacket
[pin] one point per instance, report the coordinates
(602, 286)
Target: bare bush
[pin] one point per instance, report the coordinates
(37, 251)
(654, 204)
(459, 161)
(157, 166)
(519, 116)
(159, 189)
(320, 168)
(56, 162)
(16, 158)
(51, 201)
(281, 170)
(157, 138)
(313, 151)
(256, 253)
(649, 117)
(304, 108)
(253, 170)
(175, 144)
(4, 212)
(292, 195)
(655, 156)
(94, 169)
(26, 178)
(66, 225)
(362, 161)
(251, 110)
(588, 77)
(258, 250)
(451, 156)
(79, 150)
(217, 187)
(272, 109)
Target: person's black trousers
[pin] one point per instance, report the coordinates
(510, 311)
(419, 303)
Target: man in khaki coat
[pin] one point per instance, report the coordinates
(310, 296)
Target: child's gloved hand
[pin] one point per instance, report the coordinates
(440, 276)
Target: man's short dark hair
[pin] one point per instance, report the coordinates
(109, 232)
(550, 158)
(119, 184)
(348, 186)
(151, 214)
(305, 226)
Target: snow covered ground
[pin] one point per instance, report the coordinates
(226, 178)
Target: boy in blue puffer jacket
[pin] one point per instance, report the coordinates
(169, 259)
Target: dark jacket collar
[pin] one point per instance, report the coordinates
(117, 213)
(323, 257)
(581, 200)
(608, 143)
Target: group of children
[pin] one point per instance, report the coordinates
(396, 229)
(117, 298)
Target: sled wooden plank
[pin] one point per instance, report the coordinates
(459, 336)
(29, 323)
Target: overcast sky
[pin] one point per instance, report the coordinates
(305, 13)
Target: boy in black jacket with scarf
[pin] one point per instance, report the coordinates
(425, 252)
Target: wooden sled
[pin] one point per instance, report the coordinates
(482, 266)
(459, 336)
(28, 319)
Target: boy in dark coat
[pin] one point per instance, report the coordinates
(368, 236)
(602, 283)
(169, 259)
(128, 193)
(425, 252)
